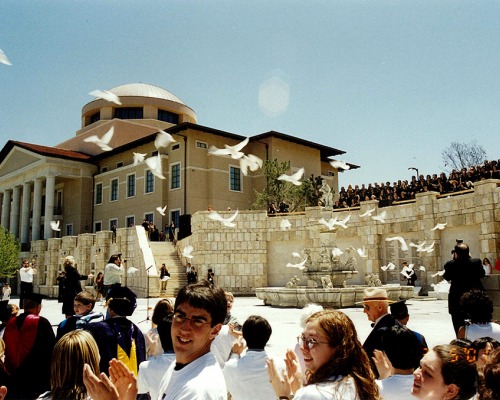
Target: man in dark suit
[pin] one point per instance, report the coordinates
(465, 274)
(375, 306)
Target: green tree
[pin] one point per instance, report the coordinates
(9, 254)
(297, 197)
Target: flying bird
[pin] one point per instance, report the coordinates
(102, 142)
(139, 157)
(295, 254)
(362, 252)
(215, 216)
(427, 249)
(368, 213)
(161, 210)
(285, 224)
(105, 95)
(330, 224)
(300, 265)
(336, 252)
(440, 273)
(55, 225)
(339, 164)
(131, 270)
(233, 151)
(294, 179)
(343, 222)
(251, 162)
(186, 251)
(419, 247)
(3, 58)
(381, 217)
(154, 163)
(439, 226)
(163, 139)
(404, 246)
(390, 266)
(421, 268)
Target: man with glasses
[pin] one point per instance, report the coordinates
(199, 312)
(376, 307)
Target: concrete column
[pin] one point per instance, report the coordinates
(49, 205)
(14, 215)
(6, 209)
(37, 209)
(25, 213)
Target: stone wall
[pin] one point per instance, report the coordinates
(255, 252)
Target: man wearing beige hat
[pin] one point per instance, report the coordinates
(375, 306)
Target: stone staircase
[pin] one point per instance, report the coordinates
(166, 252)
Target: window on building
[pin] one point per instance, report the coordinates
(119, 164)
(150, 182)
(129, 113)
(331, 173)
(114, 190)
(69, 229)
(174, 216)
(131, 185)
(58, 209)
(175, 146)
(95, 117)
(97, 226)
(98, 193)
(175, 176)
(154, 153)
(130, 221)
(234, 179)
(201, 145)
(112, 222)
(149, 217)
(104, 169)
(168, 116)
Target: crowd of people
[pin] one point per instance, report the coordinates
(197, 348)
(456, 181)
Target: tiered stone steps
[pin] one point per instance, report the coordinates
(165, 252)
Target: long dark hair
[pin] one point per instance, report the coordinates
(348, 359)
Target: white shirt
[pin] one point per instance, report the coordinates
(6, 293)
(201, 379)
(247, 378)
(338, 388)
(396, 387)
(151, 373)
(113, 274)
(476, 331)
(26, 274)
(222, 344)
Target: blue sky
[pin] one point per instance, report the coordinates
(392, 83)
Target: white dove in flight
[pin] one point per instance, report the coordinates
(339, 164)
(381, 217)
(404, 246)
(294, 179)
(285, 224)
(3, 58)
(336, 252)
(106, 95)
(186, 251)
(163, 139)
(330, 224)
(154, 163)
(440, 273)
(139, 157)
(362, 252)
(421, 268)
(131, 270)
(368, 213)
(55, 225)
(102, 142)
(427, 249)
(439, 226)
(419, 247)
(295, 254)
(215, 216)
(161, 210)
(343, 222)
(233, 151)
(300, 265)
(390, 266)
(250, 162)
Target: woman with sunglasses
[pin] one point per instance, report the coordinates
(337, 367)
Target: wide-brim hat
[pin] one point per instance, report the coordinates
(375, 294)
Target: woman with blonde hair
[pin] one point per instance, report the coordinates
(336, 365)
(71, 353)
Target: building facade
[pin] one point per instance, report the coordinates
(86, 189)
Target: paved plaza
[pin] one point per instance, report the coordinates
(429, 317)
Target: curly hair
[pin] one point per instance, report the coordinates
(491, 377)
(349, 358)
